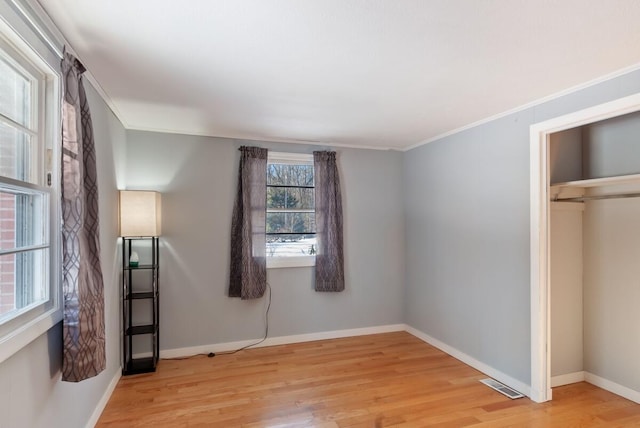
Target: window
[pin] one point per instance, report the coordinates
(29, 290)
(290, 219)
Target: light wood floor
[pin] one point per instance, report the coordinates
(380, 380)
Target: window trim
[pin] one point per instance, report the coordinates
(290, 159)
(25, 49)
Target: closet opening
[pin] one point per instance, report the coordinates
(585, 250)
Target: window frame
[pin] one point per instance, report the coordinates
(286, 158)
(26, 50)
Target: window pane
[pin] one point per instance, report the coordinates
(290, 198)
(283, 222)
(22, 219)
(291, 245)
(22, 281)
(290, 175)
(15, 95)
(16, 154)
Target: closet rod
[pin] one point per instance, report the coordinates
(597, 197)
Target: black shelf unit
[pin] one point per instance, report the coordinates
(143, 289)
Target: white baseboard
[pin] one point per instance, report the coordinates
(280, 340)
(478, 365)
(598, 381)
(613, 387)
(93, 420)
(567, 379)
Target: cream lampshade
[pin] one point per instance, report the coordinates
(140, 213)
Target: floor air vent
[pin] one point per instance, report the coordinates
(502, 389)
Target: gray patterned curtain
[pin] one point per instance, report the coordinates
(330, 253)
(248, 273)
(83, 325)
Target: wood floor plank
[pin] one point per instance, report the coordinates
(383, 380)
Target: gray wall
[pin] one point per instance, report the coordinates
(566, 294)
(611, 254)
(611, 147)
(601, 149)
(611, 292)
(467, 232)
(197, 177)
(565, 156)
(31, 393)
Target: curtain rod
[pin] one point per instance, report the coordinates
(37, 28)
(598, 197)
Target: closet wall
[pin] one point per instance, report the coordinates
(595, 258)
(611, 255)
(567, 346)
(566, 268)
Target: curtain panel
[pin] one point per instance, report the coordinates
(82, 283)
(248, 273)
(330, 253)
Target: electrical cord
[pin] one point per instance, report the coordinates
(212, 354)
(266, 329)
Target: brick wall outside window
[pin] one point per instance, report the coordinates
(7, 237)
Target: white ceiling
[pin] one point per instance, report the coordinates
(371, 73)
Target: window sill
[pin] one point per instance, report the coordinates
(20, 337)
(290, 262)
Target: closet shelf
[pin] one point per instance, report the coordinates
(599, 182)
(575, 191)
